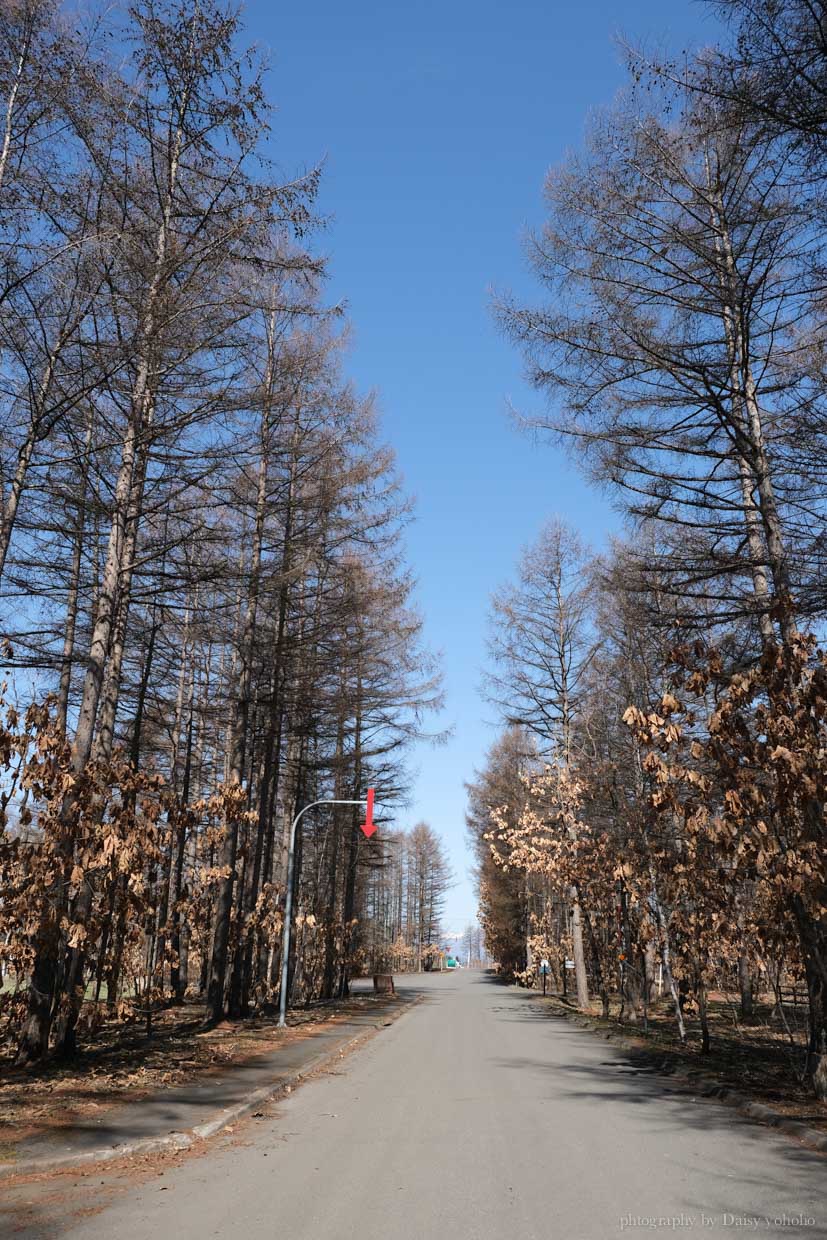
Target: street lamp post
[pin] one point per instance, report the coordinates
(288, 899)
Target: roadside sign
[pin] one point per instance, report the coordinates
(569, 964)
(544, 966)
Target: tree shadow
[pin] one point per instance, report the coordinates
(592, 1073)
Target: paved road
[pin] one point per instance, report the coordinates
(479, 1117)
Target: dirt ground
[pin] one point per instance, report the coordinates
(122, 1063)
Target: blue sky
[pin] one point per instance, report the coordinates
(436, 124)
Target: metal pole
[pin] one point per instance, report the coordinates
(288, 904)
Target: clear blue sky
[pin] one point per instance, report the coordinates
(437, 122)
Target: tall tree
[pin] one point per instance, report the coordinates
(679, 335)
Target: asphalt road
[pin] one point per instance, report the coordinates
(477, 1115)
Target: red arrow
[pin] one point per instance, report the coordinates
(369, 826)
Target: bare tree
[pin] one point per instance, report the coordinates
(680, 336)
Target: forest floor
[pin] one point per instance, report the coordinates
(760, 1059)
(121, 1064)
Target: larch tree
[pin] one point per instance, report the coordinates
(542, 650)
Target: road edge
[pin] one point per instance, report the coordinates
(190, 1137)
(707, 1086)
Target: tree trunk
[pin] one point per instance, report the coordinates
(703, 1015)
(578, 953)
(237, 749)
(666, 954)
(73, 595)
(650, 961)
(812, 935)
(632, 1002)
(349, 902)
(747, 1005)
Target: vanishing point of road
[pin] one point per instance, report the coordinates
(478, 1116)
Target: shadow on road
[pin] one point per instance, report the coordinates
(581, 1068)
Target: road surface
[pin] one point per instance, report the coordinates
(477, 1115)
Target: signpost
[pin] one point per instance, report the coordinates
(368, 827)
(544, 970)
